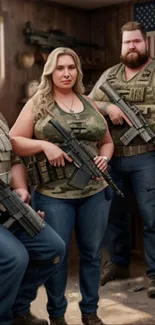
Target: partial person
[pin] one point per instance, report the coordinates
(25, 262)
(60, 96)
(134, 80)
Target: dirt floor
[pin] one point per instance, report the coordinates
(119, 304)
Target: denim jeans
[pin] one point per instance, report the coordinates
(89, 217)
(140, 170)
(25, 264)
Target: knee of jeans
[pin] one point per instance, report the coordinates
(55, 254)
(60, 252)
(149, 225)
(90, 252)
(20, 260)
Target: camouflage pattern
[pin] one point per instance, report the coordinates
(139, 90)
(89, 126)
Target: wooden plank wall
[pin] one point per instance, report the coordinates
(43, 16)
(105, 28)
(105, 25)
(100, 26)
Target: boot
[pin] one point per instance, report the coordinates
(151, 288)
(112, 271)
(91, 319)
(58, 320)
(29, 319)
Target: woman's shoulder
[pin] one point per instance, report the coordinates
(29, 104)
(93, 105)
(91, 102)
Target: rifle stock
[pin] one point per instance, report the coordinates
(49, 40)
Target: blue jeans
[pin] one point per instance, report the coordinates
(140, 171)
(25, 264)
(89, 217)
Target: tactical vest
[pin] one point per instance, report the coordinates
(139, 91)
(89, 127)
(5, 151)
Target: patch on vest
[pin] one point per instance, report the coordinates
(145, 75)
(137, 94)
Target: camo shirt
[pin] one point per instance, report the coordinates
(139, 91)
(88, 126)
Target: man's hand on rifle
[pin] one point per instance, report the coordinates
(41, 214)
(116, 115)
(23, 194)
(25, 197)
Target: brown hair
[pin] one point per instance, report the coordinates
(134, 25)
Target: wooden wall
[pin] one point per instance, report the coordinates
(43, 16)
(100, 26)
(105, 28)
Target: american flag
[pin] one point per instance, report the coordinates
(145, 14)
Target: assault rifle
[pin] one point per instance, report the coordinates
(139, 124)
(51, 39)
(18, 211)
(83, 159)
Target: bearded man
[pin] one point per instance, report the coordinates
(134, 80)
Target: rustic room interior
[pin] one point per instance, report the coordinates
(85, 22)
(95, 22)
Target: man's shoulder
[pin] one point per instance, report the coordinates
(109, 71)
(151, 65)
(114, 68)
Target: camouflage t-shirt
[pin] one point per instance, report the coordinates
(89, 126)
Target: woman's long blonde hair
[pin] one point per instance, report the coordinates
(44, 95)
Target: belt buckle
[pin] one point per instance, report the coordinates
(127, 151)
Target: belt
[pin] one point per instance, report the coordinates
(122, 151)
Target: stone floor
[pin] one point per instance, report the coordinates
(119, 304)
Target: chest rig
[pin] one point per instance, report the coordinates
(88, 126)
(139, 91)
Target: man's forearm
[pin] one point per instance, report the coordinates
(102, 106)
(107, 150)
(19, 177)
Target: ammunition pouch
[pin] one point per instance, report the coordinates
(41, 172)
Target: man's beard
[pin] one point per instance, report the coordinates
(134, 62)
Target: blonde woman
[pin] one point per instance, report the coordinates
(60, 96)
